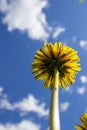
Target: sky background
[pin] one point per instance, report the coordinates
(24, 26)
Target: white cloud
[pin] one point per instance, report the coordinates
(83, 44)
(5, 104)
(69, 90)
(31, 104)
(83, 79)
(2, 95)
(58, 31)
(23, 125)
(28, 104)
(48, 128)
(86, 110)
(74, 39)
(1, 90)
(81, 90)
(64, 106)
(26, 16)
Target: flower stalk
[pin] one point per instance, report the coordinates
(54, 108)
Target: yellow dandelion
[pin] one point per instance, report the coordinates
(83, 120)
(56, 65)
(62, 58)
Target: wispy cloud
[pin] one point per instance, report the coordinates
(1, 90)
(26, 16)
(48, 128)
(5, 104)
(81, 90)
(83, 44)
(64, 106)
(83, 79)
(69, 90)
(31, 104)
(23, 125)
(85, 110)
(2, 94)
(74, 39)
(28, 104)
(57, 31)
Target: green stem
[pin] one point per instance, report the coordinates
(54, 109)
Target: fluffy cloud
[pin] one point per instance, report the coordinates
(81, 90)
(83, 79)
(64, 106)
(83, 44)
(28, 104)
(31, 104)
(23, 125)
(26, 16)
(58, 31)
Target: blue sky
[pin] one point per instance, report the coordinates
(24, 26)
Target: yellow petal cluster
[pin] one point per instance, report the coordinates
(56, 56)
(83, 120)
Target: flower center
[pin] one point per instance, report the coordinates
(52, 65)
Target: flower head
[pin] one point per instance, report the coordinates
(51, 57)
(83, 119)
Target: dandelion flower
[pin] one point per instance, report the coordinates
(56, 65)
(83, 120)
(51, 57)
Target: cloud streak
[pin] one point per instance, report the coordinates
(58, 31)
(23, 125)
(70, 90)
(26, 105)
(74, 39)
(64, 106)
